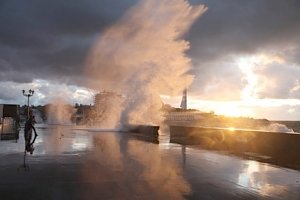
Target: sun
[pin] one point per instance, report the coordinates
(226, 108)
(231, 129)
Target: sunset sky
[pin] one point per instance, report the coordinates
(245, 55)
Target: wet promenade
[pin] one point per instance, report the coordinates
(80, 164)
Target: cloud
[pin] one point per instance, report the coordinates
(45, 92)
(50, 39)
(217, 80)
(234, 29)
(278, 81)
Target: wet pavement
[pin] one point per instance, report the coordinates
(80, 164)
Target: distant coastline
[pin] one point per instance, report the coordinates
(198, 118)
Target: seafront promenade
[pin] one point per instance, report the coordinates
(80, 164)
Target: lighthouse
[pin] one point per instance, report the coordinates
(183, 104)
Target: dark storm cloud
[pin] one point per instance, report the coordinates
(50, 39)
(237, 27)
(34, 19)
(38, 32)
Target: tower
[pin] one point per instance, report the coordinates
(183, 103)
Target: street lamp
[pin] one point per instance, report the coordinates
(29, 94)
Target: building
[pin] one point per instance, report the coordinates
(104, 98)
(9, 121)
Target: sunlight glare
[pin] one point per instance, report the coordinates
(232, 129)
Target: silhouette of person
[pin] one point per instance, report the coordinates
(29, 127)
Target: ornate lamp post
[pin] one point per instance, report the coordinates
(29, 94)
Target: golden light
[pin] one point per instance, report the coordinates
(249, 104)
(248, 65)
(227, 108)
(231, 129)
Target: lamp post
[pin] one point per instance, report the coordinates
(29, 94)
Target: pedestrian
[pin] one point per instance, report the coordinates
(29, 127)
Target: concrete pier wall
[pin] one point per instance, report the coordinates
(147, 130)
(278, 147)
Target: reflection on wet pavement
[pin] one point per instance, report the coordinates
(78, 164)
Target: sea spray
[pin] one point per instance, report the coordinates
(277, 127)
(59, 112)
(107, 110)
(143, 56)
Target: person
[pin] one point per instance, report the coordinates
(29, 127)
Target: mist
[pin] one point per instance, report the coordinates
(107, 112)
(59, 112)
(277, 127)
(143, 56)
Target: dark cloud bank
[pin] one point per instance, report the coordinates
(51, 39)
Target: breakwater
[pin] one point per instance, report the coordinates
(273, 147)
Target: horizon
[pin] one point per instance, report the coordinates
(180, 109)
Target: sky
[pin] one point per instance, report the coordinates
(245, 55)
